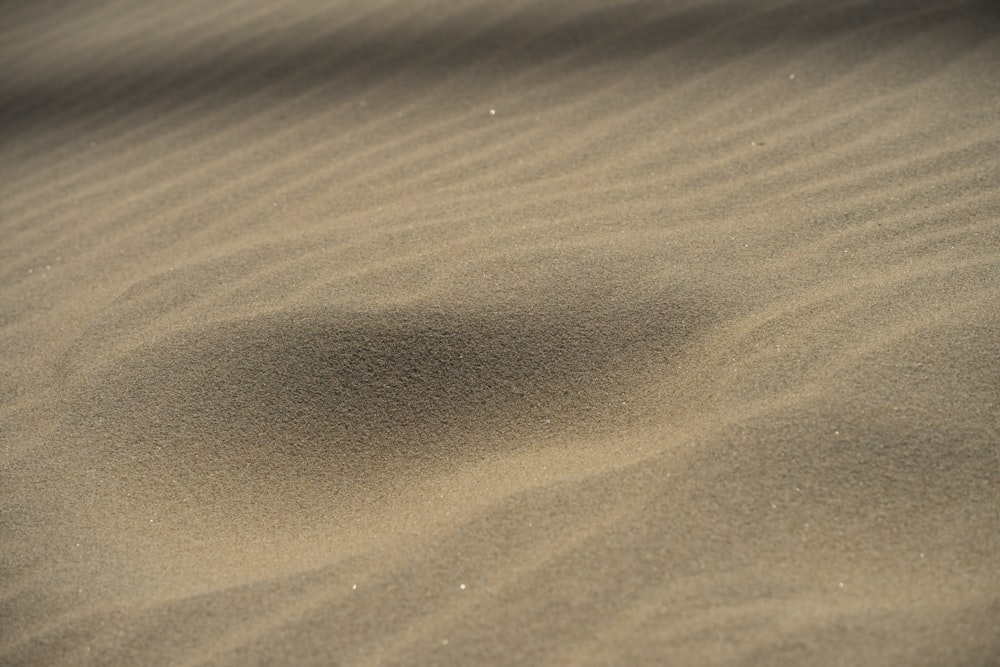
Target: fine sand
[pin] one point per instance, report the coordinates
(596, 332)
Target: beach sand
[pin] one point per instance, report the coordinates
(479, 333)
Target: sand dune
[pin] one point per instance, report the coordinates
(614, 332)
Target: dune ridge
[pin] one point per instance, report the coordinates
(615, 332)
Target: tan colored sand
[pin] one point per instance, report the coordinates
(500, 333)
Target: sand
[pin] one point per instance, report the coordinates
(595, 332)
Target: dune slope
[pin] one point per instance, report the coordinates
(615, 332)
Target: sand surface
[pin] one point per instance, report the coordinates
(473, 333)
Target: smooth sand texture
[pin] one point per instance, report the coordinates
(591, 332)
